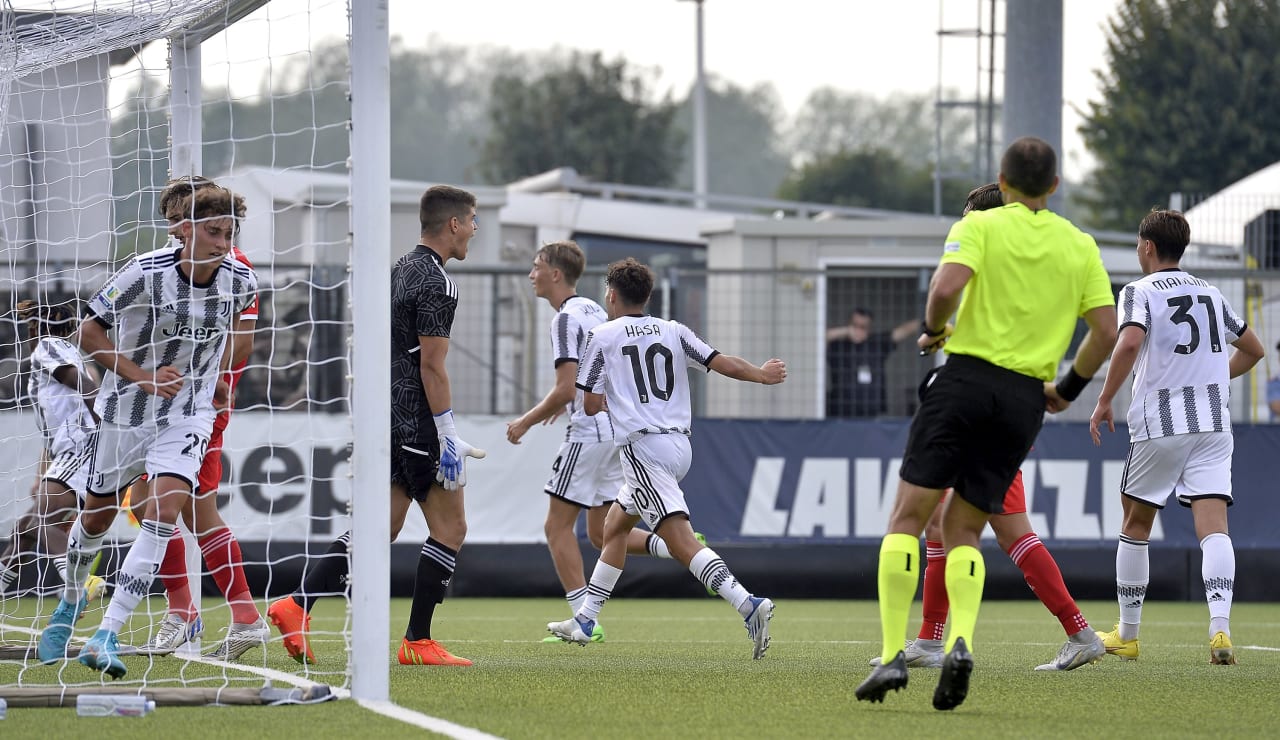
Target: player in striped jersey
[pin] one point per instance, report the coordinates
(586, 473)
(218, 545)
(639, 364)
(1173, 331)
(63, 391)
(171, 311)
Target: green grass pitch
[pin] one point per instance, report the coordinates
(683, 668)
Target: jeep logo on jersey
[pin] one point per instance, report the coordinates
(197, 333)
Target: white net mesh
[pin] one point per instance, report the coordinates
(86, 134)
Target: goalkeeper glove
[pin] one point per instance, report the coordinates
(452, 473)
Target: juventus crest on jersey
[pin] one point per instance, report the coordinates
(160, 316)
(577, 317)
(64, 418)
(1181, 378)
(640, 365)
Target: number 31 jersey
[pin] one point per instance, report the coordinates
(1181, 378)
(640, 364)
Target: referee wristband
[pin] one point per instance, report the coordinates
(1071, 384)
(924, 327)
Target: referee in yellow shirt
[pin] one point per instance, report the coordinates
(1025, 274)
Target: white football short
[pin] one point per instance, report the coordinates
(70, 465)
(586, 473)
(124, 453)
(652, 468)
(1190, 466)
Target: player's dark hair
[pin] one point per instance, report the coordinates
(51, 320)
(632, 280)
(1169, 231)
(983, 197)
(208, 201)
(1029, 166)
(441, 203)
(860, 311)
(176, 190)
(565, 256)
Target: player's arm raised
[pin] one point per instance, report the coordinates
(770, 373)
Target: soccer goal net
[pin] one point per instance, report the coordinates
(101, 103)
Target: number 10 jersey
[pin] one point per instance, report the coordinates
(640, 364)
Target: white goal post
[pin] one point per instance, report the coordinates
(101, 101)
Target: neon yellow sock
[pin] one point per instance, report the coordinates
(966, 574)
(899, 574)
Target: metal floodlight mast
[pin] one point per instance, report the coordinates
(699, 119)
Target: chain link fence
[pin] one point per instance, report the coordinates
(500, 357)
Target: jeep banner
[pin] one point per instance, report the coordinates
(286, 477)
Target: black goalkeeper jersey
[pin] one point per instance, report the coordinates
(423, 302)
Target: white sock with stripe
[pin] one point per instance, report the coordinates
(708, 568)
(139, 569)
(1133, 573)
(1218, 569)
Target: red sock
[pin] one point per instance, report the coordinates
(173, 574)
(936, 604)
(1044, 578)
(222, 555)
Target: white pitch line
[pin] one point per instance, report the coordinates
(267, 673)
(385, 708)
(425, 721)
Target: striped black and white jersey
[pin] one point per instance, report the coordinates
(1181, 378)
(424, 300)
(640, 364)
(64, 418)
(569, 329)
(159, 316)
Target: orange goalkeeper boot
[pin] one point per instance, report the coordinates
(294, 625)
(427, 652)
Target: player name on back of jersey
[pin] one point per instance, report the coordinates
(640, 330)
(1174, 281)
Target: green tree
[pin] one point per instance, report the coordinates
(583, 112)
(439, 99)
(859, 150)
(871, 178)
(745, 153)
(139, 166)
(1190, 97)
(833, 121)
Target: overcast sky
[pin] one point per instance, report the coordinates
(875, 46)
(865, 45)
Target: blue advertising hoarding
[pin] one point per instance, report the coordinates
(834, 481)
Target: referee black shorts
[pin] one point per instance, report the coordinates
(975, 425)
(414, 466)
